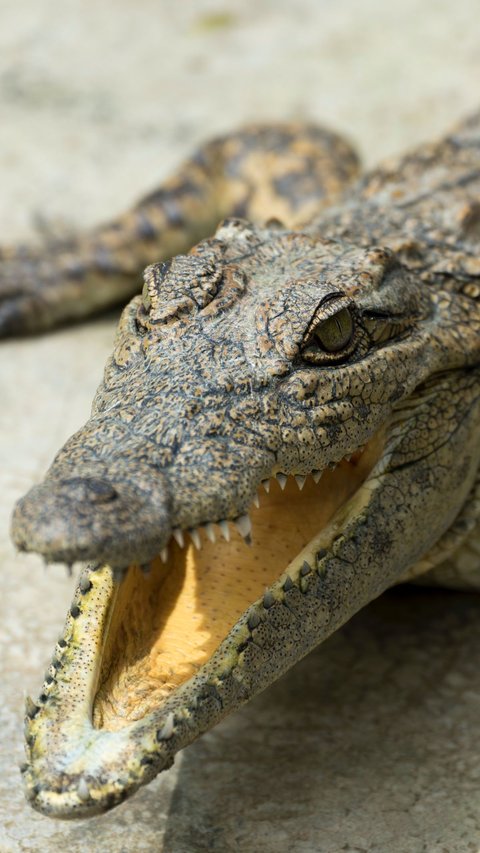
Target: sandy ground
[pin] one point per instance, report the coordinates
(371, 743)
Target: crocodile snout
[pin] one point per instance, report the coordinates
(79, 518)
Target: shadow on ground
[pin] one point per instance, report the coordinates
(373, 736)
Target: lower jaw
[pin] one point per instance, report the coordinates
(141, 660)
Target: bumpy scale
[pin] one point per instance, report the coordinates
(334, 360)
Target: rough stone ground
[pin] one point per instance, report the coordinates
(371, 743)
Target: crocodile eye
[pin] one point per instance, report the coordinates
(331, 336)
(335, 333)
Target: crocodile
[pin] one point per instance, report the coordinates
(327, 358)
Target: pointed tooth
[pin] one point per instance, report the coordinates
(306, 568)
(30, 707)
(85, 584)
(300, 480)
(118, 573)
(210, 531)
(316, 476)
(223, 525)
(166, 732)
(266, 485)
(268, 599)
(178, 536)
(83, 789)
(243, 525)
(256, 500)
(282, 480)
(195, 537)
(164, 555)
(253, 621)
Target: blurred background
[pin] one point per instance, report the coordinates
(371, 743)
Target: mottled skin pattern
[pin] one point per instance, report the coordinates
(267, 351)
(285, 171)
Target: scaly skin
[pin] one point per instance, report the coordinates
(265, 352)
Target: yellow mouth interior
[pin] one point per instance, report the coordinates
(165, 626)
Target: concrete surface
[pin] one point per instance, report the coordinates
(371, 743)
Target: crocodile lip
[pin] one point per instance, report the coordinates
(147, 664)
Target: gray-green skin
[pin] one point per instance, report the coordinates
(218, 382)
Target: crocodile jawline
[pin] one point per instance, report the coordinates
(132, 650)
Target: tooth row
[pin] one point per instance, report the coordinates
(282, 480)
(242, 523)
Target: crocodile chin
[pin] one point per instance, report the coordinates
(164, 626)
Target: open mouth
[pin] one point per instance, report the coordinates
(140, 656)
(166, 625)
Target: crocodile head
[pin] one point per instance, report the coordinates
(318, 373)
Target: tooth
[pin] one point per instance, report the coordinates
(118, 573)
(30, 707)
(166, 731)
(266, 485)
(256, 500)
(316, 476)
(85, 584)
(268, 600)
(210, 531)
(300, 481)
(195, 537)
(253, 621)
(223, 525)
(178, 536)
(82, 789)
(243, 525)
(164, 555)
(282, 480)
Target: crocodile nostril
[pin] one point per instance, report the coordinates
(88, 489)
